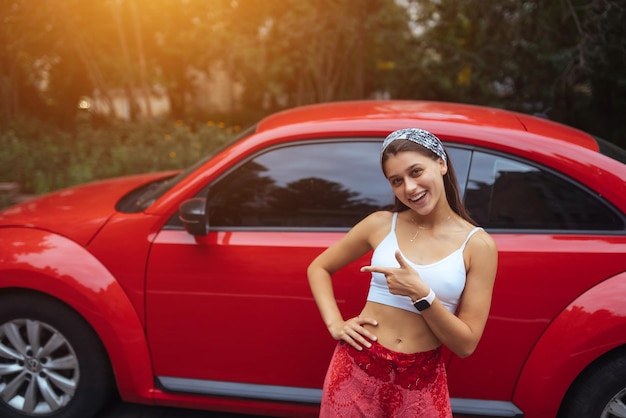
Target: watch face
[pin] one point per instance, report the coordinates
(421, 305)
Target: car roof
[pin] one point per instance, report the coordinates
(450, 120)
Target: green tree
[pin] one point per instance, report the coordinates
(593, 89)
(301, 52)
(565, 58)
(24, 58)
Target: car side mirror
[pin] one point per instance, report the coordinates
(193, 215)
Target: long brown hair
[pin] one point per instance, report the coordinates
(449, 179)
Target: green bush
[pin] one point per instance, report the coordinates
(41, 159)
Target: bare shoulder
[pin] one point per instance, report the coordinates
(360, 239)
(482, 241)
(379, 218)
(482, 247)
(374, 226)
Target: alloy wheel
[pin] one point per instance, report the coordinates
(616, 406)
(39, 370)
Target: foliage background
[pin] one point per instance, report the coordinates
(562, 58)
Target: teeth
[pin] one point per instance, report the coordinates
(418, 197)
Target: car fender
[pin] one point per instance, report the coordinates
(592, 325)
(51, 264)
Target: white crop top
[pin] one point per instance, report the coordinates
(445, 277)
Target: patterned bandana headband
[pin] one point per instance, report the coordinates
(420, 137)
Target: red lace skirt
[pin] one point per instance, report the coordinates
(378, 382)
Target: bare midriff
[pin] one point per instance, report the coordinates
(399, 330)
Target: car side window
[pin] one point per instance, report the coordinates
(306, 185)
(509, 194)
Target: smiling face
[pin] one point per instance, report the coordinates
(417, 180)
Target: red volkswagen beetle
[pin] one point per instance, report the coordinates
(189, 289)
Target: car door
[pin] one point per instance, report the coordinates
(231, 313)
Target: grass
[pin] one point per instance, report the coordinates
(41, 159)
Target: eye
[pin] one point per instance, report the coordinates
(416, 172)
(395, 181)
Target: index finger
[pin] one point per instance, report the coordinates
(375, 269)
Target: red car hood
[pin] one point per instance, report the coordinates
(76, 212)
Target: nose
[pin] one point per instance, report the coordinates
(410, 185)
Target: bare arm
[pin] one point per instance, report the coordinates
(356, 243)
(461, 333)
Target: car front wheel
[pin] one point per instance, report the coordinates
(51, 362)
(601, 392)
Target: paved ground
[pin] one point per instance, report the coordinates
(126, 410)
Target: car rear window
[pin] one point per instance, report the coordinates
(505, 193)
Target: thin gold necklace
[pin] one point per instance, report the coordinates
(420, 227)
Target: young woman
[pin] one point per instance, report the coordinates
(432, 274)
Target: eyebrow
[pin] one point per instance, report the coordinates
(408, 169)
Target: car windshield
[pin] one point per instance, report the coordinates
(140, 199)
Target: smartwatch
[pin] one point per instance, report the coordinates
(425, 302)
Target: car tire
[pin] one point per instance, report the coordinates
(52, 364)
(599, 393)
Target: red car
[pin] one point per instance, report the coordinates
(189, 289)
